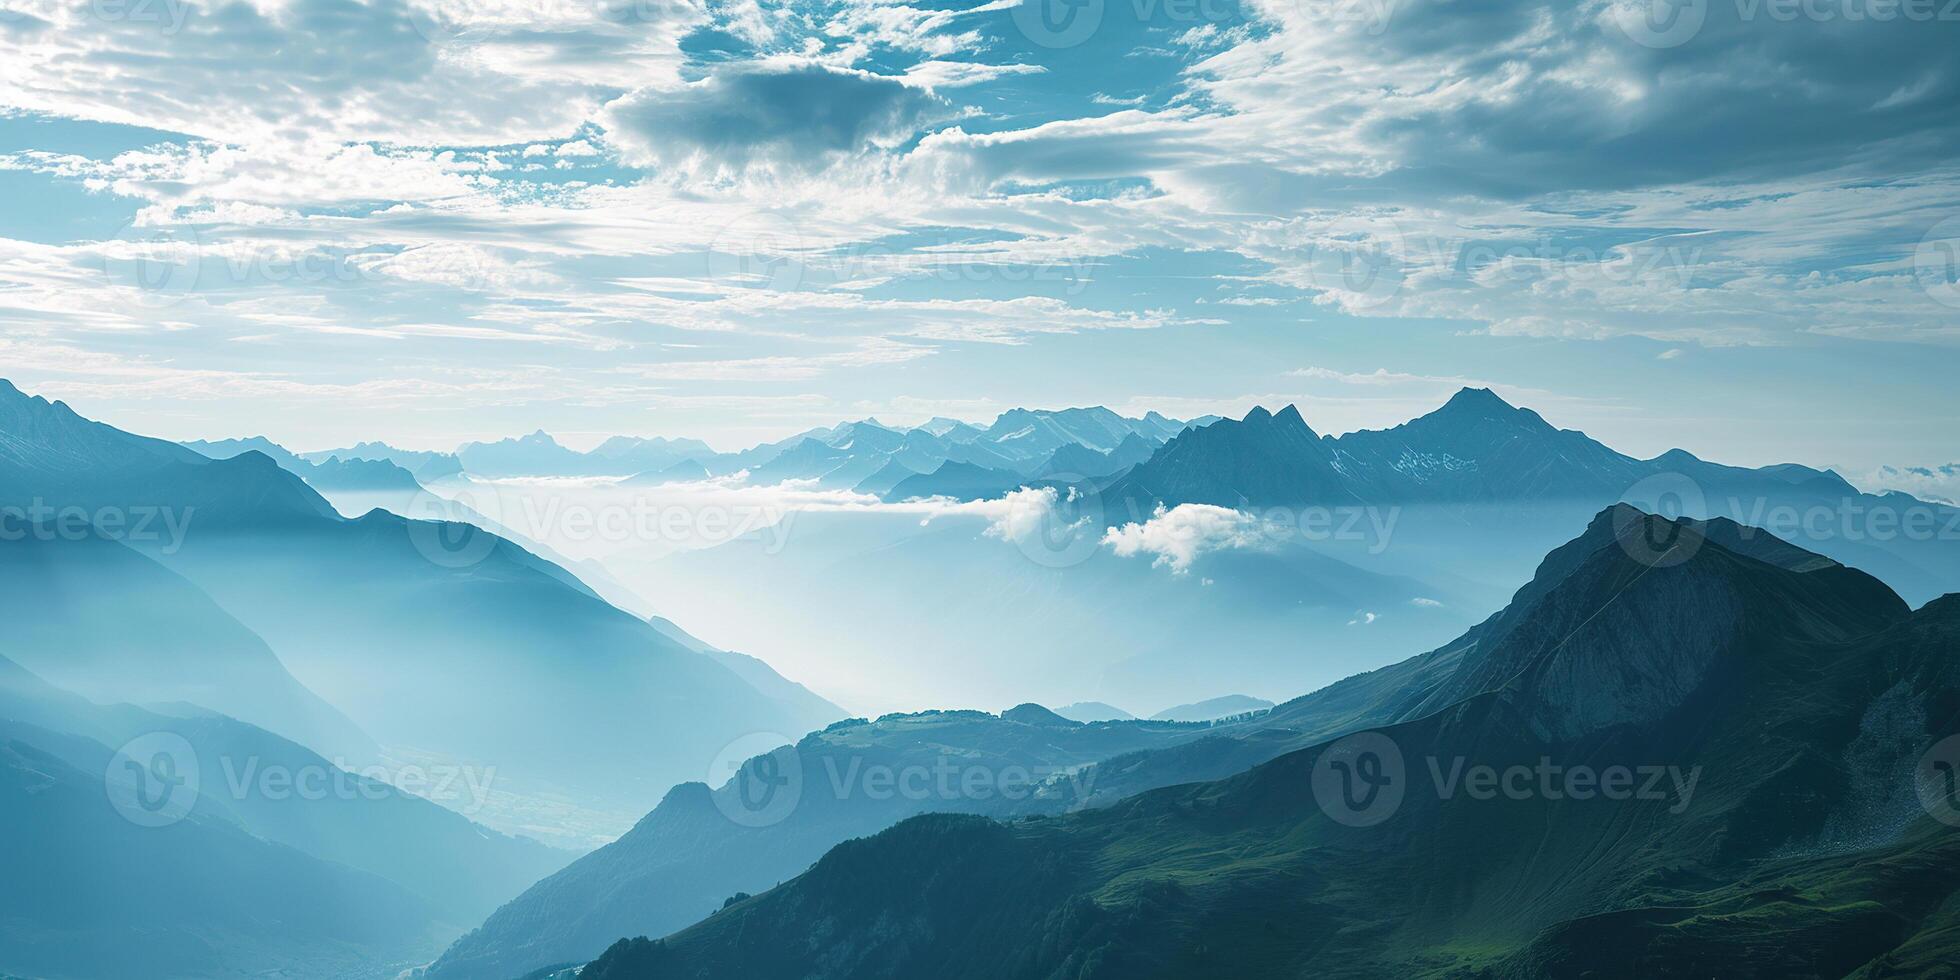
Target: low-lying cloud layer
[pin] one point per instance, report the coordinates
(1176, 537)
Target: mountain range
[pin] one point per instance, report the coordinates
(1249, 556)
(426, 467)
(564, 919)
(1511, 480)
(328, 474)
(1476, 460)
(302, 612)
(366, 878)
(963, 460)
(1075, 442)
(469, 629)
(702, 845)
(1775, 705)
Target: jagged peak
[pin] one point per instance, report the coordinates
(1471, 405)
(1290, 416)
(1478, 398)
(11, 393)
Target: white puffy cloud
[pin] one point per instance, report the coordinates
(1176, 537)
(1031, 516)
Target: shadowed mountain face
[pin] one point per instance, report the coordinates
(1261, 459)
(366, 878)
(95, 617)
(1419, 685)
(430, 637)
(1696, 758)
(701, 846)
(90, 894)
(51, 457)
(1479, 447)
(957, 481)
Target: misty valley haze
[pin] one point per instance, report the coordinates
(979, 490)
(478, 719)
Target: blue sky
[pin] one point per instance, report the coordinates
(1726, 225)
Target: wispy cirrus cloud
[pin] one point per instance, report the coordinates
(485, 181)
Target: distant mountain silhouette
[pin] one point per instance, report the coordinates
(330, 474)
(847, 454)
(1211, 708)
(1509, 477)
(626, 454)
(1086, 711)
(468, 630)
(427, 467)
(959, 481)
(537, 454)
(1075, 461)
(1261, 459)
(97, 618)
(872, 457)
(1479, 447)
